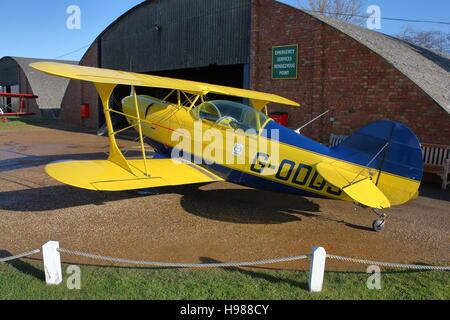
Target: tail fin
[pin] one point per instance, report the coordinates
(393, 151)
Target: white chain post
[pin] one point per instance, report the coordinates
(52, 263)
(317, 269)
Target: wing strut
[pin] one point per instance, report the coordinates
(141, 137)
(105, 91)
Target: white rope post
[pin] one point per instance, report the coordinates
(52, 263)
(317, 269)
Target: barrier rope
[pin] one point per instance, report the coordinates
(231, 264)
(183, 265)
(388, 264)
(22, 255)
(250, 263)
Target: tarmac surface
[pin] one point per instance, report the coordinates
(219, 222)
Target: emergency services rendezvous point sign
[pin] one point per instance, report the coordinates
(285, 62)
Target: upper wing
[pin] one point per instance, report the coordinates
(362, 190)
(105, 175)
(108, 76)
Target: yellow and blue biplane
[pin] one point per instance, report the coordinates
(377, 167)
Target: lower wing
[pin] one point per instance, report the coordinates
(104, 175)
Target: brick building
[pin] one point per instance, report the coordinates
(359, 75)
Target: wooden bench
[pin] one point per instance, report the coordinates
(437, 161)
(436, 158)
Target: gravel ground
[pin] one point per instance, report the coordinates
(215, 222)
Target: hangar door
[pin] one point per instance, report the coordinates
(232, 76)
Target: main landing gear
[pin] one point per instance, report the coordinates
(377, 225)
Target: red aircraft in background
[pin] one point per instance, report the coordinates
(7, 110)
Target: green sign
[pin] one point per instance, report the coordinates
(285, 62)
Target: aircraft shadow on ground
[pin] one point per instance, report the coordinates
(246, 206)
(250, 206)
(241, 206)
(56, 197)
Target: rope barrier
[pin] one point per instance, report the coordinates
(388, 264)
(182, 265)
(250, 263)
(231, 264)
(22, 255)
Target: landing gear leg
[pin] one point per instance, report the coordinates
(378, 225)
(357, 206)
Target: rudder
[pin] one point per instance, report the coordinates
(393, 151)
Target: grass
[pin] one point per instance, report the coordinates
(25, 280)
(20, 122)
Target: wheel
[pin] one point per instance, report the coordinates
(378, 225)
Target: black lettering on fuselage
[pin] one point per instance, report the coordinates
(302, 174)
(281, 173)
(317, 182)
(299, 174)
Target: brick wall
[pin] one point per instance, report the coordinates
(81, 92)
(336, 72)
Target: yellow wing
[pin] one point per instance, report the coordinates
(362, 190)
(107, 76)
(107, 176)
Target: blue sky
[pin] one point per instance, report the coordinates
(38, 28)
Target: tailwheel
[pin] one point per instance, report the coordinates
(378, 225)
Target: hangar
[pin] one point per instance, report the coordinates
(325, 64)
(16, 76)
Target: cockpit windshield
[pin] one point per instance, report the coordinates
(230, 114)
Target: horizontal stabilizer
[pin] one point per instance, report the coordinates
(367, 193)
(336, 176)
(104, 175)
(361, 189)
